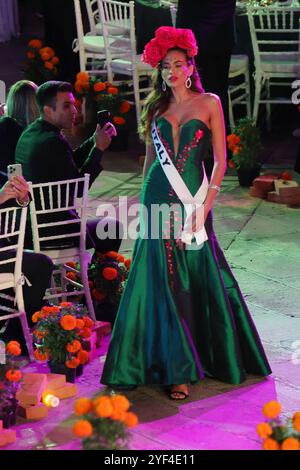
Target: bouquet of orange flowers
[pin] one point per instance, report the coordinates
(245, 145)
(104, 422)
(10, 377)
(101, 95)
(277, 434)
(41, 64)
(60, 334)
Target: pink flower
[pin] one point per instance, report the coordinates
(186, 40)
(166, 36)
(153, 53)
(199, 134)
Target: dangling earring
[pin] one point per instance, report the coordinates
(164, 86)
(188, 82)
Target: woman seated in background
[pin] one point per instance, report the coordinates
(21, 110)
(36, 267)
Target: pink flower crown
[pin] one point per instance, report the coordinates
(168, 37)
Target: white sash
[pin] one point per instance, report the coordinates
(191, 203)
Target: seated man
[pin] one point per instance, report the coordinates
(36, 267)
(46, 156)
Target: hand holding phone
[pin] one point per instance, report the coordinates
(103, 117)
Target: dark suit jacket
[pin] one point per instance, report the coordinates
(46, 156)
(211, 22)
(10, 132)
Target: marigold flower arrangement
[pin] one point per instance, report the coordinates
(42, 63)
(245, 145)
(10, 375)
(60, 334)
(103, 95)
(107, 274)
(104, 422)
(277, 434)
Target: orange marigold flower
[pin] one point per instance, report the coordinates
(237, 150)
(36, 317)
(233, 139)
(68, 322)
(13, 375)
(55, 60)
(109, 273)
(66, 304)
(270, 444)
(72, 276)
(291, 443)
(49, 65)
(272, 409)
(264, 430)
(118, 415)
(82, 77)
(296, 424)
(85, 333)
(286, 176)
(74, 347)
(125, 107)
(82, 406)
(83, 428)
(120, 402)
(121, 258)
(35, 43)
(112, 254)
(78, 87)
(47, 50)
(72, 363)
(98, 295)
(99, 86)
(45, 57)
(127, 263)
(131, 419)
(231, 164)
(118, 120)
(30, 55)
(79, 324)
(112, 90)
(104, 408)
(88, 322)
(83, 356)
(13, 348)
(72, 264)
(41, 356)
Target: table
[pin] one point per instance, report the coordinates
(149, 16)
(9, 20)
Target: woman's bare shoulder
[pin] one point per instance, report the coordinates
(210, 99)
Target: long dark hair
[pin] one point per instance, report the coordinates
(158, 100)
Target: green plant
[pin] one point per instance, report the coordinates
(245, 144)
(101, 95)
(41, 63)
(277, 434)
(60, 332)
(104, 422)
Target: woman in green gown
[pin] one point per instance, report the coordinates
(182, 315)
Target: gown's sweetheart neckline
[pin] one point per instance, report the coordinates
(182, 125)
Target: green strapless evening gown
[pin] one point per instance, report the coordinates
(182, 315)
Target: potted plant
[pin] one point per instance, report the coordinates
(279, 434)
(104, 422)
(59, 336)
(41, 62)
(245, 145)
(95, 95)
(10, 377)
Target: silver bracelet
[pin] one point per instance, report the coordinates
(215, 186)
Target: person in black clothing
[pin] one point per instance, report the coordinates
(36, 267)
(212, 22)
(22, 109)
(46, 156)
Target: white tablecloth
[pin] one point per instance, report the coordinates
(9, 19)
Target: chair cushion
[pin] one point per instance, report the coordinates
(115, 31)
(238, 62)
(123, 65)
(281, 64)
(6, 280)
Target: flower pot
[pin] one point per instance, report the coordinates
(57, 368)
(120, 142)
(8, 414)
(247, 175)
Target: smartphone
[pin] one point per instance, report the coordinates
(14, 170)
(103, 117)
